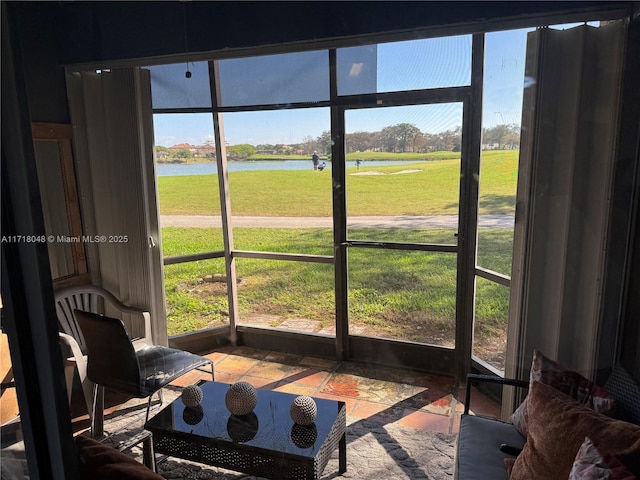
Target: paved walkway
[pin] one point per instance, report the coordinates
(433, 221)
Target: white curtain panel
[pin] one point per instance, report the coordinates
(570, 112)
(113, 130)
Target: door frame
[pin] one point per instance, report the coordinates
(441, 359)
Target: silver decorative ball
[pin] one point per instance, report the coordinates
(303, 410)
(191, 396)
(241, 398)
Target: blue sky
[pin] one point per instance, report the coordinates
(401, 65)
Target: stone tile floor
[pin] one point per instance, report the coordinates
(395, 416)
(388, 395)
(380, 394)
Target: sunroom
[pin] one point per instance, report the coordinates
(492, 213)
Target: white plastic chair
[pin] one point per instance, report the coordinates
(93, 299)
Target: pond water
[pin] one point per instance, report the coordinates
(172, 169)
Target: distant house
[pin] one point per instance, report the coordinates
(203, 151)
(182, 146)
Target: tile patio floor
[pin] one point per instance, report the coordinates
(389, 395)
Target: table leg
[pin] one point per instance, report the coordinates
(342, 454)
(148, 455)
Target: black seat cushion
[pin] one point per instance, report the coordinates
(479, 455)
(161, 365)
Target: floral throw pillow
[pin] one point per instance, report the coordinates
(591, 464)
(545, 370)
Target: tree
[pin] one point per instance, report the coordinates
(505, 136)
(405, 134)
(398, 138)
(310, 144)
(420, 143)
(387, 138)
(449, 140)
(324, 143)
(512, 139)
(183, 153)
(265, 147)
(457, 139)
(240, 151)
(162, 152)
(360, 141)
(431, 142)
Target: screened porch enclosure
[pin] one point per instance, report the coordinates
(402, 248)
(340, 268)
(565, 261)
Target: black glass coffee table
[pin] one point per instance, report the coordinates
(265, 443)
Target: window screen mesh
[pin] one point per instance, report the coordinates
(357, 70)
(275, 79)
(170, 88)
(402, 66)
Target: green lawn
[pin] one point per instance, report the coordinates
(385, 287)
(398, 294)
(432, 190)
(351, 157)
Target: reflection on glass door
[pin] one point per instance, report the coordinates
(191, 222)
(502, 112)
(402, 189)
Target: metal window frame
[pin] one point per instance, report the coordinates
(338, 106)
(58, 462)
(470, 96)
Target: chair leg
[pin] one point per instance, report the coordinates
(69, 370)
(88, 391)
(97, 420)
(146, 417)
(87, 385)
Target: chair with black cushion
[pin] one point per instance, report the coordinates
(91, 298)
(114, 363)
